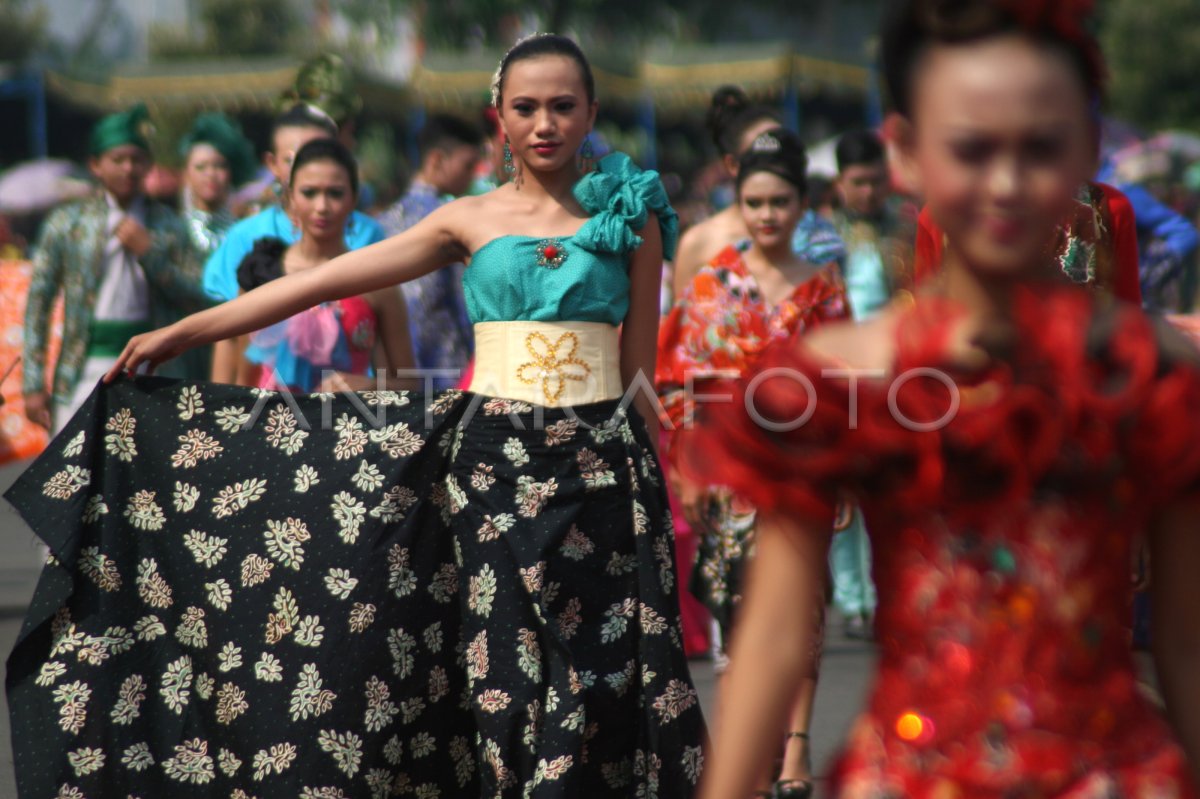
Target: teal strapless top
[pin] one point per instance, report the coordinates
(578, 278)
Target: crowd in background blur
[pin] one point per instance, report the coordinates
(126, 245)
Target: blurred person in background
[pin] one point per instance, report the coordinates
(442, 335)
(734, 123)
(339, 336)
(122, 264)
(217, 158)
(749, 295)
(878, 256)
(878, 239)
(822, 196)
(1167, 243)
(292, 129)
(1003, 531)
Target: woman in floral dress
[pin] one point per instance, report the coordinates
(468, 594)
(1009, 436)
(752, 294)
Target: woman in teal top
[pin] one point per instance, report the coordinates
(469, 594)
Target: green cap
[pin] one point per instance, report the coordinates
(226, 137)
(117, 130)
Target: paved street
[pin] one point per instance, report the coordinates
(843, 676)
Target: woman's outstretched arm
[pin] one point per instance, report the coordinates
(425, 247)
(1175, 598)
(772, 651)
(639, 331)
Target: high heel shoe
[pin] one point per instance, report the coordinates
(795, 789)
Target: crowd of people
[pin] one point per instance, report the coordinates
(439, 502)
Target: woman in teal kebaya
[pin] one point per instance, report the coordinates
(470, 594)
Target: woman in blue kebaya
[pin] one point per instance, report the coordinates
(470, 594)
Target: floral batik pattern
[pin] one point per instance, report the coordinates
(254, 594)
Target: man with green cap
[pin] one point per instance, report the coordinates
(121, 263)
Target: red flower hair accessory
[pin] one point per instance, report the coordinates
(1066, 18)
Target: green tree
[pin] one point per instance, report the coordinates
(22, 30)
(459, 23)
(231, 28)
(1153, 49)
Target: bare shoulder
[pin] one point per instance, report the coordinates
(696, 247)
(1175, 349)
(458, 211)
(695, 240)
(863, 345)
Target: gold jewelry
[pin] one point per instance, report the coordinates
(551, 369)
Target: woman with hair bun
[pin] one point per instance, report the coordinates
(385, 593)
(1009, 436)
(750, 295)
(734, 122)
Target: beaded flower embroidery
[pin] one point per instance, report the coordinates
(551, 253)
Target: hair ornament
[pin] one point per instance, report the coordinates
(766, 143)
(498, 75)
(1067, 18)
(319, 113)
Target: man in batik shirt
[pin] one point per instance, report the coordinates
(123, 266)
(442, 337)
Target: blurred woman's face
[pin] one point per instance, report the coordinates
(321, 198)
(771, 208)
(545, 111)
(999, 143)
(207, 175)
(122, 171)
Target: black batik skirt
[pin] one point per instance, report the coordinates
(254, 594)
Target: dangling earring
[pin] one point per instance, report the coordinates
(510, 166)
(587, 156)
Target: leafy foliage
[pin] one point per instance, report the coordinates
(1153, 50)
(231, 28)
(22, 30)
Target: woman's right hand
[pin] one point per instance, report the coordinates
(694, 499)
(149, 349)
(37, 409)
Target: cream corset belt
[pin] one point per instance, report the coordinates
(547, 363)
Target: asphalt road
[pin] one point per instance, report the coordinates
(844, 673)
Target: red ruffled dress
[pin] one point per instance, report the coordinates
(1002, 538)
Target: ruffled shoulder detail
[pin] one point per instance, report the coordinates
(781, 437)
(619, 197)
(1078, 400)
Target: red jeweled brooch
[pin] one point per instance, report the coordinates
(551, 253)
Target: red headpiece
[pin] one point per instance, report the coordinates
(1066, 18)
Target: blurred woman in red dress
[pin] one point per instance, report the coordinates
(1009, 435)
